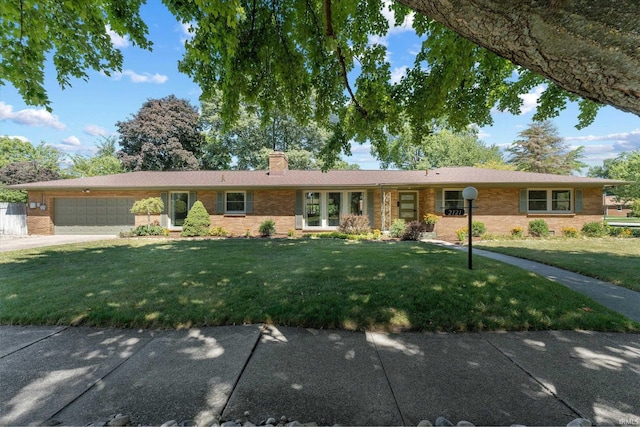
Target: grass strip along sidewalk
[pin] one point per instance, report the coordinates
(302, 282)
(613, 260)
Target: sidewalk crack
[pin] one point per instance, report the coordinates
(386, 376)
(531, 375)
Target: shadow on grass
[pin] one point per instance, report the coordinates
(308, 283)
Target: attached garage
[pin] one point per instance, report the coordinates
(93, 215)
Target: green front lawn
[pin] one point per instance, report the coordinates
(309, 283)
(609, 259)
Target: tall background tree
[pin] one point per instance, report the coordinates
(104, 162)
(21, 162)
(542, 150)
(247, 144)
(440, 147)
(165, 134)
(626, 166)
(301, 58)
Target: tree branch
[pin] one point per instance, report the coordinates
(331, 34)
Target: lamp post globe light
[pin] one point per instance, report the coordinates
(470, 194)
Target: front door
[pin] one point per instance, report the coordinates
(408, 205)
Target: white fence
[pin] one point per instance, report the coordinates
(13, 218)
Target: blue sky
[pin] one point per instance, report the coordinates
(88, 110)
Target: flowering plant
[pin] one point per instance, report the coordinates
(431, 218)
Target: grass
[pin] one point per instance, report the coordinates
(609, 259)
(308, 283)
(625, 219)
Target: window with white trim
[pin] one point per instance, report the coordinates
(324, 209)
(549, 200)
(453, 199)
(235, 202)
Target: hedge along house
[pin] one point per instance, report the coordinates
(313, 201)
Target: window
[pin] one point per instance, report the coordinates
(324, 209)
(235, 202)
(312, 210)
(549, 200)
(178, 207)
(356, 202)
(453, 199)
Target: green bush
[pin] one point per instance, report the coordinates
(148, 230)
(478, 228)
(354, 224)
(462, 233)
(397, 228)
(413, 231)
(635, 208)
(267, 228)
(538, 228)
(218, 231)
(197, 221)
(594, 229)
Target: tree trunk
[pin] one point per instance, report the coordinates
(588, 47)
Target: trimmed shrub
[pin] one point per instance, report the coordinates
(538, 228)
(148, 230)
(413, 231)
(267, 228)
(354, 224)
(197, 222)
(594, 229)
(218, 232)
(478, 228)
(397, 228)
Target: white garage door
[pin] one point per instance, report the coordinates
(93, 215)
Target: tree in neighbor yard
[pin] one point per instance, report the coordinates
(149, 206)
(541, 150)
(21, 162)
(164, 135)
(438, 148)
(104, 162)
(626, 166)
(319, 59)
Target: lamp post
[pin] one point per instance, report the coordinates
(470, 194)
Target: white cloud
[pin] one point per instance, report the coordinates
(141, 78)
(530, 100)
(398, 73)
(72, 141)
(20, 137)
(626, 141)
(30, 117)
(188, 30)
(375, 39)
(95, 130)
(116, 39)
(391, 18)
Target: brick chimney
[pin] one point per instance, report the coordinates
(278, 163)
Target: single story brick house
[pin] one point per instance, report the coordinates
(615, 207)
(312, 201)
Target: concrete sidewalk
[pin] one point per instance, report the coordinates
(76, 376)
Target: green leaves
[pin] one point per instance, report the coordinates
(72, 32)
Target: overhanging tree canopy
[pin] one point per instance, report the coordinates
(315, 58)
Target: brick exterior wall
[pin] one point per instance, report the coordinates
(497, 208)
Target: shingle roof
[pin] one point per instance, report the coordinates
(451, 176)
